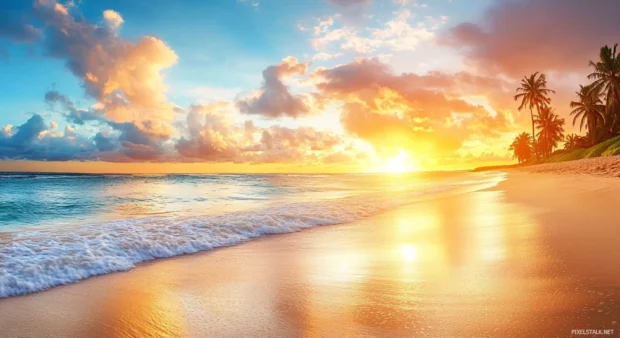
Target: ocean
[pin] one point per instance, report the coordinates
(57, 229)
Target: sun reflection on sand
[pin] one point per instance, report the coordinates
(465, 265)
(436, 265)
(147, 308)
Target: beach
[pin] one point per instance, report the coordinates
(607, 166)
(535, 255)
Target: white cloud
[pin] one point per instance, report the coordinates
(322, 56)
(398, 34)
(112, 19)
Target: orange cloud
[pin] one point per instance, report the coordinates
(426, 113)
(124, 77)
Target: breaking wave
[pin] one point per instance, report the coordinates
(36, 260)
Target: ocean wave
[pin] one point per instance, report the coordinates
(36, 260)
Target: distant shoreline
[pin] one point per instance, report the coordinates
(500, 167)
(607, 166)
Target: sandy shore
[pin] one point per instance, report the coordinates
(536, 256)
(599, 166)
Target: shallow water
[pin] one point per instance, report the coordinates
(63, 228)
(31, 199)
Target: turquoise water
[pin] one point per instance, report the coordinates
(60, 228)
(31, 199)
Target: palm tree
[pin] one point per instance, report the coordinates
(574, 141)
(533, 93)
(570, 141)
(551, 129)
(606, 77)
(607, 72)
(589, 108)
(521, 147)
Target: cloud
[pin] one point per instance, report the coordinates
(71, 113)
(275, 99)
(207, 135)
(211, 137)
(37, 140)
(136, 142)
(325, 56)
(29, 131)
(304, 144)
(367, 73)
(349, 3)
(518, 37)
(34, 140)
(427, 113)
(112, 19)
(124, 77)
(397, 34)
(104, 143)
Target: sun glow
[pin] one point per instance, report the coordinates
(401, 163)
(409, 253)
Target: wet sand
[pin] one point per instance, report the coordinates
(536, 256)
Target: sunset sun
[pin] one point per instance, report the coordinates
(401, 163)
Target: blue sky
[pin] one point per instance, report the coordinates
(270, 81)
(223, 45)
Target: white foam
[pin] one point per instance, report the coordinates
(35, 260)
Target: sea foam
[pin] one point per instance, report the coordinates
(36, 260)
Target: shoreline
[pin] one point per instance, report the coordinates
(508, 260)
(607, 166)
(40, 259)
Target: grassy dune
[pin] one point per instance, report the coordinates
(610, 147)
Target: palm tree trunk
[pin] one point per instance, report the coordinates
(591, 131)
(617, 98)
(533, 134)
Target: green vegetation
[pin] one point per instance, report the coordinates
(610, 147)
(597, 110)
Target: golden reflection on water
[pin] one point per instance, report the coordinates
(138, 198)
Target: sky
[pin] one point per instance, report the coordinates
(283, 86)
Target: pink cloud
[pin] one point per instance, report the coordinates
(518, 37)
